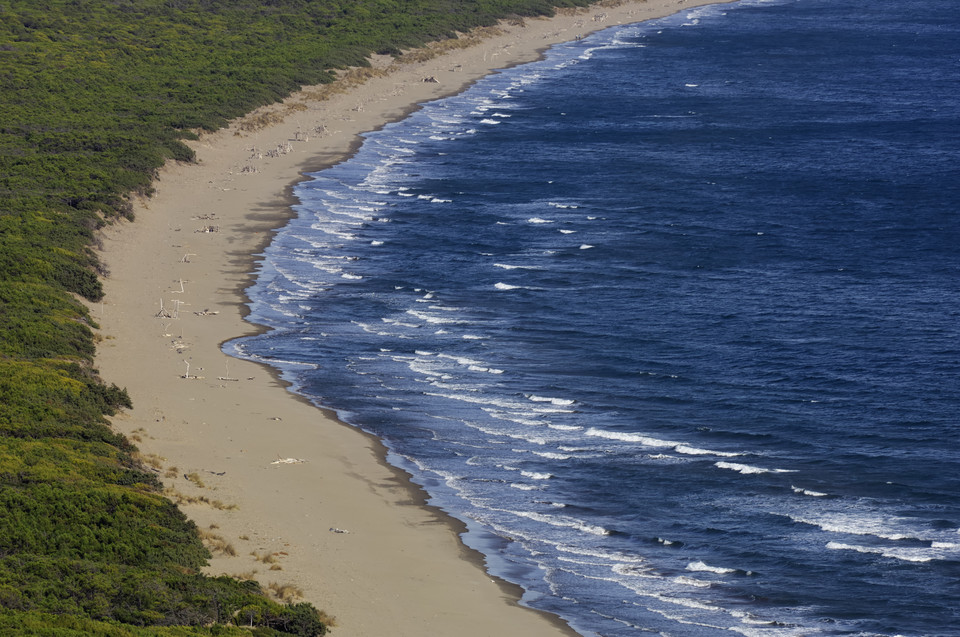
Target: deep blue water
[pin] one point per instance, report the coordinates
(671, 318)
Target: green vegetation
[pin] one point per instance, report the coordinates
(95, 95)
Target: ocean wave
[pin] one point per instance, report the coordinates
(747, 469)
(700, 566)
(560, 521)
(649, 441)
(536, 475)
(552, 401)
(692, 581)
(917, 555)
(551, 455)
(868, 523)
(434, 319)
(814, 494)
(517, 267)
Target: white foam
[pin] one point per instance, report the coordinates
(815, 494)
(649, 441)
(904, 554)
(853, 522)
(749, 469)
(561, 521)
(701, 566)
(606, 556)
(586, 246)
(536, 475)
(629, 437)
(551, 455)
(692, 581)
(696, 451)
(552, 401)
(506, 286)
(539, 220)
(430, 318)
(506, 266)
(461, 360)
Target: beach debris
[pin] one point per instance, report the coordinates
(226, 371)
(181, 290)
(277, 418)
(334, 529)
(431, 80)
(165, 313)
(288, 461)
(187, 376)
(208, 229)
(206, 312)
(186, 257)
(281, 149)
(249, 169)
(162, 313)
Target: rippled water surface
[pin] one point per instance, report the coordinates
(670, 318)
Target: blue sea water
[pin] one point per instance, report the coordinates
(670, 318)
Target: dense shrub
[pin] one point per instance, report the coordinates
(95, 95)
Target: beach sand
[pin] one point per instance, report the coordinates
(347, 530)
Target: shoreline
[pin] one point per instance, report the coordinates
(351, 532)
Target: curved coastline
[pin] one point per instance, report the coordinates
(337, 521)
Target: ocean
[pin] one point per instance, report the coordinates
(670, 318)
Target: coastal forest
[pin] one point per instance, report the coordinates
(95, 96)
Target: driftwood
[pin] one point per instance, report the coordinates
(162, 313)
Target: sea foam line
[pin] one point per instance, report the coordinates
(649, 441)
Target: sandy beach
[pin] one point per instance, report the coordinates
(285, 492)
